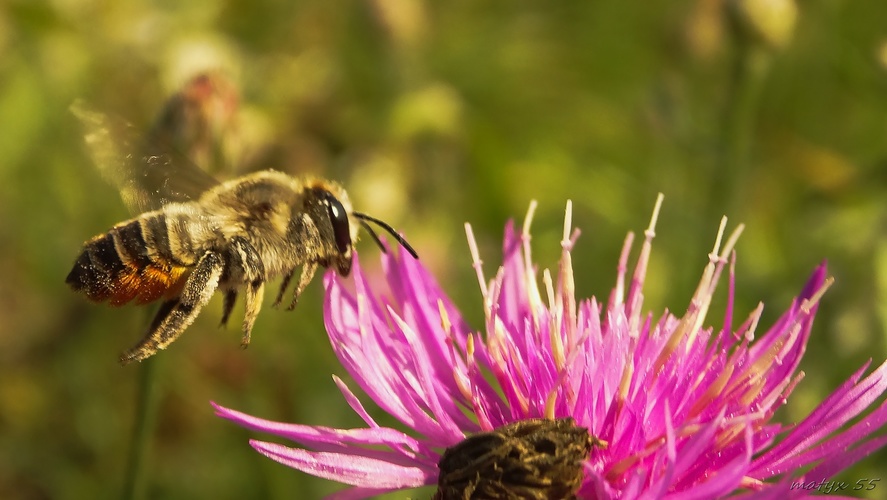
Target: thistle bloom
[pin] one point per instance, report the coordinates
(684, 409)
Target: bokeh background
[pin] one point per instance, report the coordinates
(431, 114)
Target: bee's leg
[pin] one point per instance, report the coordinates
(227, 305)
(162, 313)
(250, 270)
(308, 271)
(255, 291)
(285, 283)
(175, 315)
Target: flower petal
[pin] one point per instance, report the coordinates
(403, 449)
(349, 469)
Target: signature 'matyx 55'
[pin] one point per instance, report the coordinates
(229, 236)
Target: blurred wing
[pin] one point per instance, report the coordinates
(148, 175)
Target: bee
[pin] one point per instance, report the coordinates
(231, 236)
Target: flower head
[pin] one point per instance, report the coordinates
(675, 407)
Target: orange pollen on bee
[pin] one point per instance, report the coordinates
(147, 284)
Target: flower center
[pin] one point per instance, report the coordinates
(536, 458)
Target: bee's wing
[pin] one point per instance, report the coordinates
(147, 175)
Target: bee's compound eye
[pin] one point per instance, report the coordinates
(339, 220)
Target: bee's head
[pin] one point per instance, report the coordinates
(337, 234)
(342, 233)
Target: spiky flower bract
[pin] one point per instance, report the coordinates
(684, 409)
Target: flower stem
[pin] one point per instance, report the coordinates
(146, 413)
(749, 69)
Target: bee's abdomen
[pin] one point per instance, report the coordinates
(131, 261)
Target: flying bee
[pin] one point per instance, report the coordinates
(234, 235)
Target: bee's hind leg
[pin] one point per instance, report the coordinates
(162, 313)
(175, 315)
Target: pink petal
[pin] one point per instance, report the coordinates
(403, 449)
(349, 469)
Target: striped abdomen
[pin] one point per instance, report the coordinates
(131, 261)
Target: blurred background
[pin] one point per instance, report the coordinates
(431, 114)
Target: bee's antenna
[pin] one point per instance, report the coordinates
(375, 236)
(363, 222)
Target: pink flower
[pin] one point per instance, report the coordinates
(684, 409)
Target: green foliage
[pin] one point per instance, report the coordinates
(431, 114)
